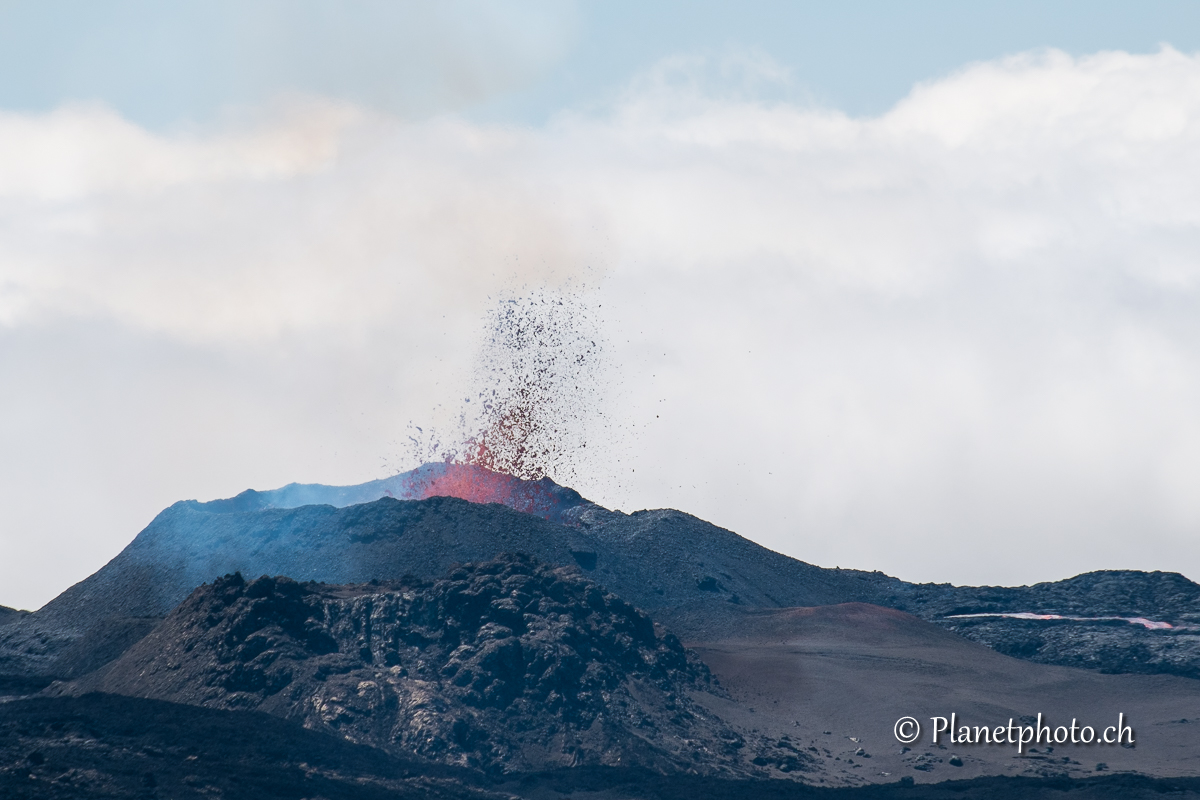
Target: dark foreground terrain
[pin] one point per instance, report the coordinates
(510, 666)
(106, 746)
(505, 665)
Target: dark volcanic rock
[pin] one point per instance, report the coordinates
(8, 615)
(667, 559)
(108, 747)
(1093, 594)
(105, 746)
(1111, 646)
(1114, 646)
(503, 665)
(656, 559)
(687, 572)
(191, 543)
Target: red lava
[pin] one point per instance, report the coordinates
(477, 484)
(538, 391)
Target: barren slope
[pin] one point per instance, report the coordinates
(852, 670)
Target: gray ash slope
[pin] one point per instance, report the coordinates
(683, 570)
(505, 665)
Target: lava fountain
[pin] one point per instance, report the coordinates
(537, 405)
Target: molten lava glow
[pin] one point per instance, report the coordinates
(1150, 624)
(536, 406)
(477, 484)
(509, 443)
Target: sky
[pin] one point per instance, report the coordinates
(900, 286)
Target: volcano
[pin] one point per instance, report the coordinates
(387, 622)
(689, 573)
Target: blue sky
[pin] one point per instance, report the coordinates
(165, 64)
(901, 286)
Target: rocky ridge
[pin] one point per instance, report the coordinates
(655, 559)
(1103, 593)
(1110, 646)
(681, 569)
(506, 665)
(1106, 645)
(8, 615)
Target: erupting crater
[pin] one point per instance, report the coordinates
(477, 484)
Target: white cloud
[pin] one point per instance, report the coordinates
(82, 151)
(957, 342)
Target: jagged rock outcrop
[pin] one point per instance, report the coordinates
(1107, 645)
(503, 665)
(1111, 646)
